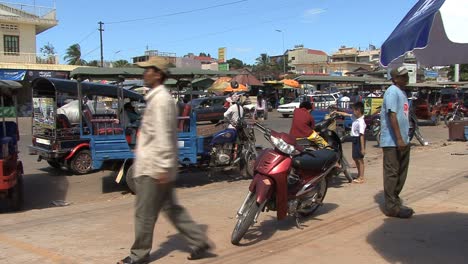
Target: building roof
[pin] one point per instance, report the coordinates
(202, 58)
(110, 73)
(316, 52)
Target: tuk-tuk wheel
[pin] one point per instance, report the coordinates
(15, 195)
(129, 179)
(81, 162)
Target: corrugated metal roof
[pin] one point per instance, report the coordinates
(336, 79)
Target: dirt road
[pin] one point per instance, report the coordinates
(349, 228)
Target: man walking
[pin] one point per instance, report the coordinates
(156, 168)
(394, 141)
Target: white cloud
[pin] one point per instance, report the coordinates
(243, 50)
(309, 15)
(313, 12)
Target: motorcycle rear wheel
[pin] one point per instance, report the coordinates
(245, 220)
(322, 188)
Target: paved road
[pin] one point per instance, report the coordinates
(97, 227)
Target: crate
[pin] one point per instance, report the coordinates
(457, 130)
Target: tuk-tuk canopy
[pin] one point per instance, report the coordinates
(50, 85)
(8, 87)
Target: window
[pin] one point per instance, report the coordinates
(293, 58)
(11, 45)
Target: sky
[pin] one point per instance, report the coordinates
(246, 28)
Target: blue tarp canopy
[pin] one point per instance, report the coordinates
(434, 30)
(50, 85)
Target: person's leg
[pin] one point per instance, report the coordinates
(360, 164)
(404, 157)
(149, 201)
(180, 218)
(391, 167)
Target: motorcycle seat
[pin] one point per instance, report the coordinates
(316, 161)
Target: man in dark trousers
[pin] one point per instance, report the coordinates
(394, 141)
(156, 168)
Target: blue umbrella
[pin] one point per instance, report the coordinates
(435, 31)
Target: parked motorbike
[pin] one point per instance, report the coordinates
(288, 179)
(334, 141)
(456, 115)
(234, 147)
(413, 130)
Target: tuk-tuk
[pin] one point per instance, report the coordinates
(11, 168)
(424, 102)
(81, 126)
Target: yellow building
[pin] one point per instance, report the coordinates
(19, 60)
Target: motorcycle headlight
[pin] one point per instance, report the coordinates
(283, 146)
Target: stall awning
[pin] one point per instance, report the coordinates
(12, 75)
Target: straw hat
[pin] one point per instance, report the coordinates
(156, 62)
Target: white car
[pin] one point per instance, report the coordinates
(322, 101)
(288, 109)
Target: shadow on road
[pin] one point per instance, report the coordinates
(200, 177)
(42, 189)
(267, 228)
(173, 243)
(430, 238)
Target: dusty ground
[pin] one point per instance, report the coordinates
(98, 226)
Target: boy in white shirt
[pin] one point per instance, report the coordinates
(359, 143)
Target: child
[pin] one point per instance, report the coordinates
(359, 144)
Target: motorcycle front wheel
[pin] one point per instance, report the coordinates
(245, 220)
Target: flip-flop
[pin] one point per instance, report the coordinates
(358, 181)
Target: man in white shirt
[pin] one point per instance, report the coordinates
(235, 112)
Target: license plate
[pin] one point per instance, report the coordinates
(42, 141)
(181, 144)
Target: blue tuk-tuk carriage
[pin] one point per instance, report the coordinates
(81, 125)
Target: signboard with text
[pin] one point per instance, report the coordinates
(222, 55)
(223, 67)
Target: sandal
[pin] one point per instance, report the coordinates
(359, 181)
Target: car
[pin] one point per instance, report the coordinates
(209, 108)
(288, 109)
(323, 101)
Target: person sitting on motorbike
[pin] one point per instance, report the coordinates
(303, 125)
(235, 112)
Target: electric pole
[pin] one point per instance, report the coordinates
(102, 50)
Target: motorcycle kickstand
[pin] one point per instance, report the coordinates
(298, 222)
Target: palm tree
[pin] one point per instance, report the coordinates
(120, 64)
(73, 55)
(263, 60)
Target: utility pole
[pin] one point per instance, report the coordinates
(456, 75)
(102, 50)
(284, 51)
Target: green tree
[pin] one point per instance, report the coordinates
(48, 54)
(93, 63)
(463, 72)
(73, 55)
(121, 64)
(265, 67)
(202, 54)
(235, 63)
(263, 60)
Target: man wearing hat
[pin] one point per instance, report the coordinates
(156, 168)
(394, 141)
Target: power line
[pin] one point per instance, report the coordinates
(88, 36)
(178, 13)
(84, 56)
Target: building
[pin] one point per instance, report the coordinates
(19, 59)
(169, 56)
(303, 60)
(371, 55)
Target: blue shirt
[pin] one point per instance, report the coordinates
(395, 100)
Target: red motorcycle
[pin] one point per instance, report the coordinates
(288, 179)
